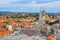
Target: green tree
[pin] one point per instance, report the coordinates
(7, 21)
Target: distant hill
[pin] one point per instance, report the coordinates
(53, 14)
(8, 12)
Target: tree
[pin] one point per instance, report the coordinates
(7, 21)
(18, 21)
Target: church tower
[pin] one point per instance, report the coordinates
(41, 14)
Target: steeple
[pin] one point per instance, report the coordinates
(42, 13)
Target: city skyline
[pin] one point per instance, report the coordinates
(51, 6)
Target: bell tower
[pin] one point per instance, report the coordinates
(41, 14)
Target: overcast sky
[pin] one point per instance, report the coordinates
(51, 6)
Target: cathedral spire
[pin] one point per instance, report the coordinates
(42, 13)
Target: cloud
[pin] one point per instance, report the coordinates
(9, 3)
(50, 4)
(20, 5)
(5, 1)
(25, 1)
(32, 4)
(56, 3)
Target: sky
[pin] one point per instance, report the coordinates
(51, 6)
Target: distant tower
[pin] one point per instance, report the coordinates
(41, 14)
